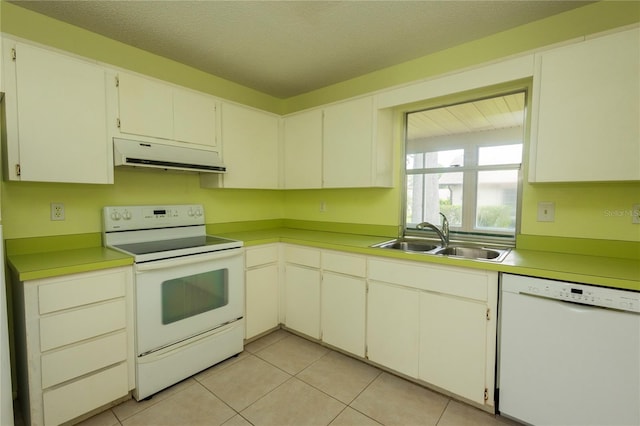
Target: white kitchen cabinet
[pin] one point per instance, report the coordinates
(262, 289)
(145, 107)
(302, 290)
(154, 109)
(343, 302)
(302, 140)
(435, 323)
(453, 338)
(56, 109)
(74, 336)
(393, 320)
(250, 147)
(357, 145)
(586, 104)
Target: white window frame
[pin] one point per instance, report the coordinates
(470, 169)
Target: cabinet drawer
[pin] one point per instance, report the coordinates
(344, 263)
(81, 289)
(68, 363)
(261, 255)
(463, 282)
(74, 326)
(74, 399)
(302, 256)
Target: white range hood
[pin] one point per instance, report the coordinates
(133, 153)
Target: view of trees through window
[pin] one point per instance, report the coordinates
(463, 161)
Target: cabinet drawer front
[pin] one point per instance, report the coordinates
(66, 364)
(302, 256)
(81, 289)
(463, 282)
(77, 398)
(344, 264)
(74, 326)
(261, 255)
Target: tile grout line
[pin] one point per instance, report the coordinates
(443, 411)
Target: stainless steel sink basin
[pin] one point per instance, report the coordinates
(495, 255)
(415, 245)
(408, 245)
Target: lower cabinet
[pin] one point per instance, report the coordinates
(262, 289)
(393, 327)
(343, 301)
(433, 323)
(302, 292)
(74, 337)
(453, 338)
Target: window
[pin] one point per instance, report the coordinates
(464, 161)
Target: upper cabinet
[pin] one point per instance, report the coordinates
(154, 109)
(357, 145)
(55, 117)
(343, 145)
(250, 149)
(586, 109)
(302, 144)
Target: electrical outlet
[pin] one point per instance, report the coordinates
(635, 214)
(57, 211)
(546, 211)
(323, 206)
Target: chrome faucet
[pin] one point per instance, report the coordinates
(443, 234)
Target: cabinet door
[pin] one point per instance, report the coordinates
(145, 107)
(302, 300)
(586, 104)
(303, 150)
(392, 327)
(348, 144)
(344, 312)
(194, 116)
(250, 148)
(453, 344)
(261, 300)
(56, 119)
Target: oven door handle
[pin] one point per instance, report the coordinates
(187, 260)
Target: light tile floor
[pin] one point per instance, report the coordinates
(282, 379)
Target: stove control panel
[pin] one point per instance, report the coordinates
(130, 218)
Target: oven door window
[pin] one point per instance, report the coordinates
(189, 296)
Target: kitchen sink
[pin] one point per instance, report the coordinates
(407, 244)
(415, 245)
(495, 255)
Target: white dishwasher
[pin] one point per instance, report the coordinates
(569, 354)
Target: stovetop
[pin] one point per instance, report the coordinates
(160, 232)
(147, 247)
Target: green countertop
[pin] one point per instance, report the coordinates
(33, 266)
(603, 271)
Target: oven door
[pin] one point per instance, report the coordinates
(182, 297)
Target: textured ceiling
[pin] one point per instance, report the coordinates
(285, 48)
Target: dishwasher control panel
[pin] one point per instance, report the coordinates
(578, 293)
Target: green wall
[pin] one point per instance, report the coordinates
(595, 211)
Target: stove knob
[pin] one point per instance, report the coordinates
(115, 215)
(126, 215)
(190, 212)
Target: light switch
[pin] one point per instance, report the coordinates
(546, 211)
